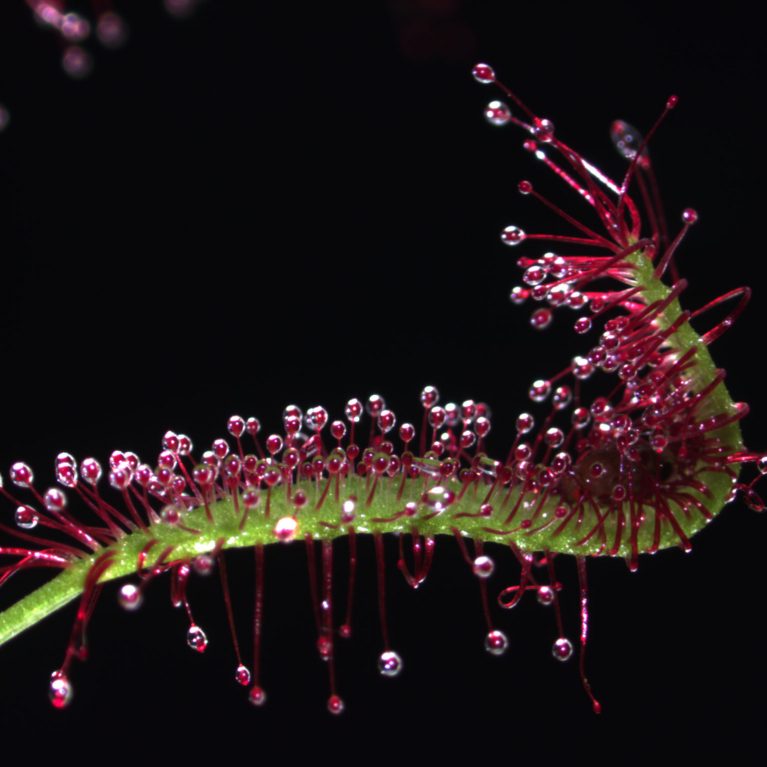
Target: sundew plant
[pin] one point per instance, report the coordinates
(626, 447)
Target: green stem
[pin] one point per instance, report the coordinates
(323, 524)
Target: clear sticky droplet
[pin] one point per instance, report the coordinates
(525, 422)
(497, 113)
(496, 642)
(348, 511)
(111, 30)
(76, 62)
(130, 596)
(483, 566)
(60, 690)
(562, 649)
(389, 663)
(543, 130)
(512, 236)
(26, 518)
(534, 275)
(483, 73)
(540, 319)
(22, 475)
(242, 675)
(196, 639)
(256, 696)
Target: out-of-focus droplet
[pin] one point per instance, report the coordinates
(335, 704)
(242, 675)
(512, 236)
(26, 518)
(181, 9)
(545, 595)
(111, 30)
(540, 319)
(438, 498)
(77, 62)
(74, 27)
(543, 130)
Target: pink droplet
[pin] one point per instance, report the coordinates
(497, 113)
(335, 704)
(242, 675)
(438, 498)
(512, 236)
(689, 215)
(353, 410)
(286, 529)
(389, 664)
(483, 73)
(26, 518)
(22, 475)
(483, 566)
(562, 649)
(543, 129)
(540, 319)
(496, 642)
(130, 597)
(545, 594)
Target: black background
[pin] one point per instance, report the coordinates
(282, 203)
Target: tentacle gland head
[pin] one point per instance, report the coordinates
(630, 448)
